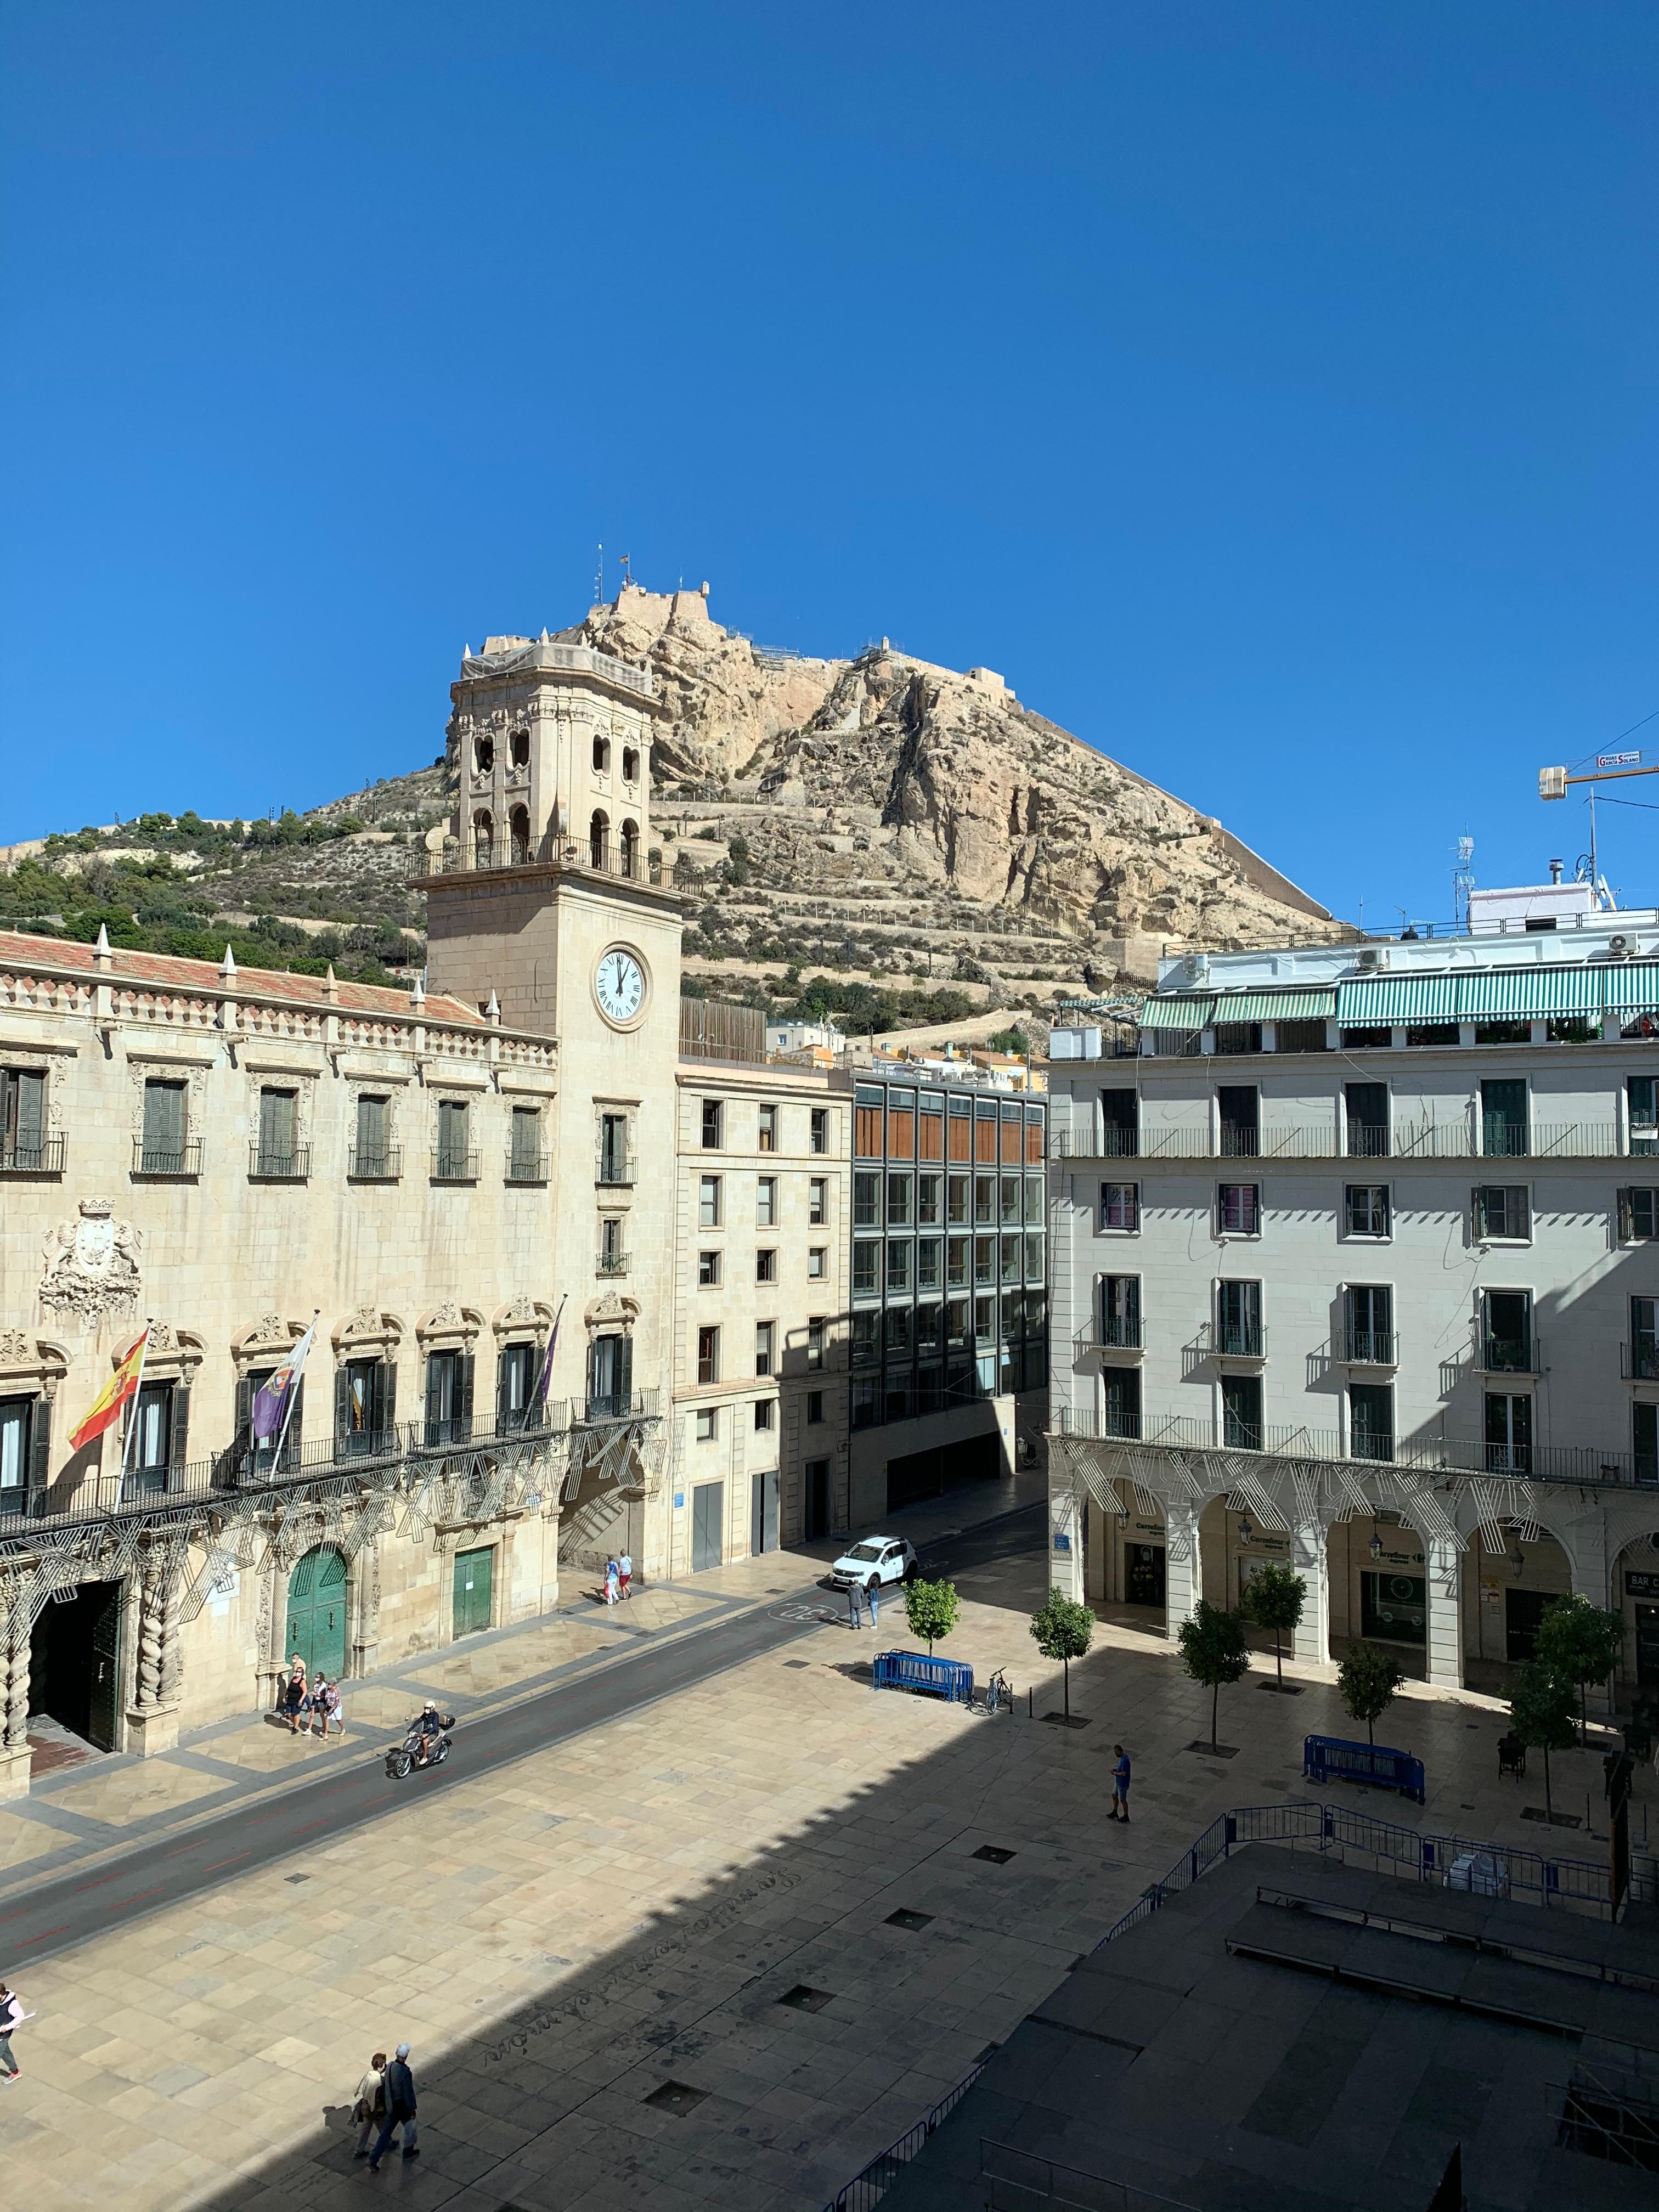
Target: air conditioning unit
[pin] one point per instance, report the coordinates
(1372, 957)
(1618, 946)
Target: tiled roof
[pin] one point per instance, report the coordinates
(18, 948)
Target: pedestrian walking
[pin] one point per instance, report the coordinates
(325, 1704)
(625, 1573)
(400, 2109)
(1121, 1783)
(612, 1581)
(854, 1606)
(294, 1693)
(369, 2110)
(12, 2016)
(875, 1605)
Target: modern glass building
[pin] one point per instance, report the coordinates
(949, 1300)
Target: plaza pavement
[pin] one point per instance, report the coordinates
(561, 1938)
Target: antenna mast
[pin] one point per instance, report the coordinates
(1463, 880)
(599, 580)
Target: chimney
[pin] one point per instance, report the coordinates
(1555, 872)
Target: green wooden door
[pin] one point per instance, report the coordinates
(474, 1576)
(317, 1613)
(106, 1670)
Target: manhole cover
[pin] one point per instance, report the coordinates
(905, 1918)
(796, 1662)
(296, 1877)
(994, 1852)
(677, 2097)
(807, 1999)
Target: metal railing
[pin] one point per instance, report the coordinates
(1421, 1140)
(869, 2185)
(527, 1167)
(1507, 1355)
(610, 1263)
(167, 1162)
(1117, 1332)
(454, 1167)
(380, 1454)
(622, 857)
(1639, 1362)
(1369, 1347)
(1523, 1877)
(1581, 1465)
(375, 1164)
(1111, 1143)
(267, 1163)
(41, 1156)
(1233, 1339)
(614, 1169)
(1019, 2181)
(1368, 1140)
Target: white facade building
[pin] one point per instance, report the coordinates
(1356, 1263)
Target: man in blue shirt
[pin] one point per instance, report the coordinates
(1120, 1784)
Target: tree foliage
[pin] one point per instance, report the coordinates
(1274, 1598)
(1581, 1643)
(931, 1609)
(1368, 1681)
(1062, 1629)
(1214, 1650)
(1540, 1713)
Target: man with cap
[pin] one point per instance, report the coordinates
(400, 2109)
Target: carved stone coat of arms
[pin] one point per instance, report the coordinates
(92, 1266)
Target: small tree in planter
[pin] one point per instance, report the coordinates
(1367, 1681)
(1062, 1629)
(1580, 1643)
(931, 1609)
(1213, 1651)
(1273, 1599)
(1540, 1713)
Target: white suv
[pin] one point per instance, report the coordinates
(878, 1559)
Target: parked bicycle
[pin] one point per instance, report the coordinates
(998, 1696)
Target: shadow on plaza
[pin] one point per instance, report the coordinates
(695, 2061)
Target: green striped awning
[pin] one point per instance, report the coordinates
(1377, 1000)
(1275, 1005)
(1535, 992)
(1633, 983)
(1176, 1013)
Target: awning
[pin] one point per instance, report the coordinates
(1176, 1013)
(1535, 992)
(1631, 984)
(1275, 1005)
(1379, 1001)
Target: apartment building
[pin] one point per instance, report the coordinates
(1356, 1264)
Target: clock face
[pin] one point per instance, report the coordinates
(620, 986)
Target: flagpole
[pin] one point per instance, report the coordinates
(552, 1346)
(288, 1407)
(137, 1401)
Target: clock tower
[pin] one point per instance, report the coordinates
(545, 902)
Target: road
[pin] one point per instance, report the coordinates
(62, 1912)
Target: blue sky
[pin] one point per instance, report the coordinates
(1268, 392)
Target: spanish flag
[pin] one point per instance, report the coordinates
(106, 1408)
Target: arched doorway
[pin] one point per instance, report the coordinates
(631, 848)
(483, 839)
(519, 828)
(317, 1612)
(599, 838)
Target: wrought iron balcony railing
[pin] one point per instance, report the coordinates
(167, 1162)
(1369, 1347)
(37, 1156)
(1506, 1355)
(270, 1164)
(610, 1263)
(623, 857)
(375, 1164)
(1234, 1339)
(454, 1166)
(527, 1167)
(1639, 1362)
(614, 1169)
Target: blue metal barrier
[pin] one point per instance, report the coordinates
(1333, 1759)
(950, 1679)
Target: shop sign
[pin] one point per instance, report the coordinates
(1640, 1585)
(1062, 1541)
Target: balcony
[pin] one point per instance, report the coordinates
(1369, 1140)
(454, 1167)
(1506, 1355)
(1245, 1341)
(166, 1163)
(1639, 1362)
(614, 1170)
(611, 1263)
(1369, 1347)
(38, 1155)
(603, 1407)
(1581, 1466)
(621, 857)
(265, 1163)
(527, 1167)
(1109, 1144)
(375, 1164)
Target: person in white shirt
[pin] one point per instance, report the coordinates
(12, 2015)
(625, 1573)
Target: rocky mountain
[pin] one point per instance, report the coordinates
(877, 819)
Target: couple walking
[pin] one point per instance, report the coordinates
(619, 1578)
(855, 1597)
(385, 2101)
